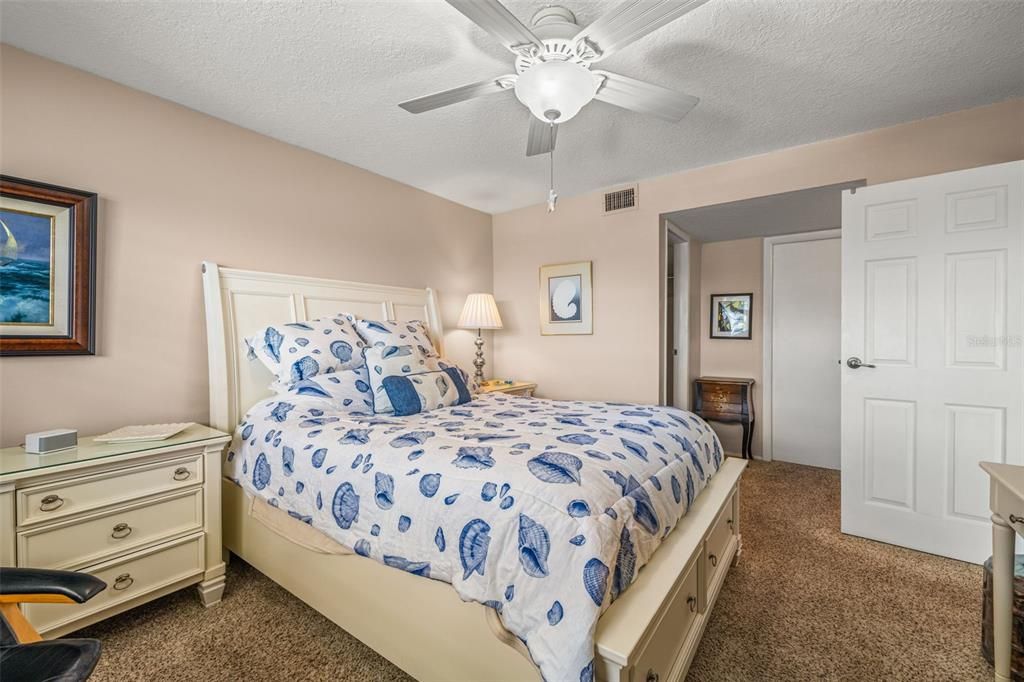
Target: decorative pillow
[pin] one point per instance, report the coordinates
(469, 379)
(347, 389)
(391, 333)
(301, 350)
(387, 361)
(415, 393)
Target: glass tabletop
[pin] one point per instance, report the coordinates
(15, 460)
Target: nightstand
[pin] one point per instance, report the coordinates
(523, 388)
(143, 517)
(727, 400)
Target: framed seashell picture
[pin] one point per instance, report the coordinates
(47, 269)
(566, 299)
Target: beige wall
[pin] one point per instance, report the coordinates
(733, 267)
(621, 359)
(177, 187)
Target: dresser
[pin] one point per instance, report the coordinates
(143, 517)
(523, 388)
(727, 400)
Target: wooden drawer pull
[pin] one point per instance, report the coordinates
(123, 581)
(182, 474)
(713, 559)
(691, 601)
(652, 676)
(51, 503)
(121, 530)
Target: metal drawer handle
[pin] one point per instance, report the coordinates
(713, 559)
(1016, 519)
(121, 530)
(123, 581)
(51, 502)
(182, 474)
(652, 676)
(691, 601)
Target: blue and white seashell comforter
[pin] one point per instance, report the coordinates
(543, 510)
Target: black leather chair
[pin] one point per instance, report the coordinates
(24, 656)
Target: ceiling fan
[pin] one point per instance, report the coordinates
(553, 75)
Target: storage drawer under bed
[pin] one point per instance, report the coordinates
(660, 651)
(717, 543)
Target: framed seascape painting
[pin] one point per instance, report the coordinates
(47, 269)
(566, 299)
(730, 316)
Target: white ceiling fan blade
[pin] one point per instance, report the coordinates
(542, 137)
(643, 97)
(461, 94)
(494, 17)
(631, 21)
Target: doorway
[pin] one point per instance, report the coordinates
(675, 372)
(802, 330)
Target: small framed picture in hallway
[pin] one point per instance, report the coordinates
(730, 315)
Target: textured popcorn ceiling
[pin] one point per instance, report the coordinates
(327, 76)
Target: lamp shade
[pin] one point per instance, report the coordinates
(480, 312)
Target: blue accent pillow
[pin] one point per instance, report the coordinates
(415, 393)
(386, 361)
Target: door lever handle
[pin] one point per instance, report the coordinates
(854, 362)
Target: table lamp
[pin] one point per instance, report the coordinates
(480, 312)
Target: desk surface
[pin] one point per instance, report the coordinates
(1010, 476)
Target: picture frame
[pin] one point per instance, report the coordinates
(731, 316)
(566, 299)
(47, 269)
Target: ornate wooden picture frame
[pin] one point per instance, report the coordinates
(47, 269)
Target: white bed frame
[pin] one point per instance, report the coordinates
(650, 634)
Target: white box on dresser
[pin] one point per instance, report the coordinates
(145, 517)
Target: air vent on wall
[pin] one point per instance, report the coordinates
(620, 200)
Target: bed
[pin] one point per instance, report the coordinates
(529, 515)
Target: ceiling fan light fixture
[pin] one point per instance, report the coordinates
(555, 91)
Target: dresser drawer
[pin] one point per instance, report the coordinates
(717, 543)
(139, 573)
(81, 541)
(60, 499)
(723, 393)
(659, 652)
(727, 409)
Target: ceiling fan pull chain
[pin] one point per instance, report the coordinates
(552, 195)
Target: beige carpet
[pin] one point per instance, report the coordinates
(805, 603)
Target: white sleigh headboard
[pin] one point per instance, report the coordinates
(240, 302)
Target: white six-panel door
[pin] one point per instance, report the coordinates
(933, 298)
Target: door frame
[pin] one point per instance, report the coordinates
(683, 344)
(766, 325)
